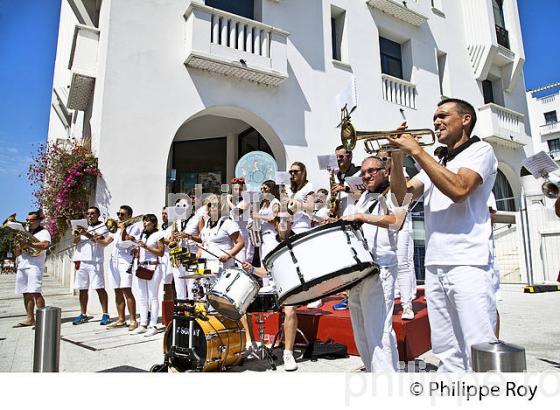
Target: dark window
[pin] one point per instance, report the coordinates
(498, 6)
(554, 146)
(335, 48)
(391, 59)
(487, 91)
(251, 140)
(503, 193)
(243, 8)
(200, 162)
(550, 117)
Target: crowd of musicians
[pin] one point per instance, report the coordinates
(461, 278)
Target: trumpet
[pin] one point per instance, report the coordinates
(112, 225)
(375, 141)
(551, 186)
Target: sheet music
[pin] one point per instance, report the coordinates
(328, 162)
(347, 97)
(78, 222)
(355, 183)
(16, 226)
(540, 165)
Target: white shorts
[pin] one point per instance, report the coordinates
(119, 278)
(29, 280)
(89, 275)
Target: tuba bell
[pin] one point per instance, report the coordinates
(551, 186)
(22, 239)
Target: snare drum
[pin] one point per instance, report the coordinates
(233, 293)
(217, 342)
(320, 262)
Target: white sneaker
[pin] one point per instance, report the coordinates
(289, 362)
(139, 330)
(315, 305)
(407, 313)
(152, 330)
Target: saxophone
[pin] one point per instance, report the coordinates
(334, 202)
(175, 250)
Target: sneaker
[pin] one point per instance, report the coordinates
(342, 305)
(315, 305)
(80, 319)
(152, 330)
(289, 362)
(117, 324)
(105, 319)
(407, 313)
(133, 326)
(139, 330)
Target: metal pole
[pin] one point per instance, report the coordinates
(46, 354)
(530, 254)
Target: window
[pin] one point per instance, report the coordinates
(550, 117)
(250, 140)
(391, 58)
(337, 33)
(487, 91)
(443, 74)
(498, 6)
(554, 146)
(244, 8)
(503, 193)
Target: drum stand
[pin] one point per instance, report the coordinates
(263, 352)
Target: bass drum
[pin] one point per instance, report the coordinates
(218, 342)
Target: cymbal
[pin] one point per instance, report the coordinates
(197, 276)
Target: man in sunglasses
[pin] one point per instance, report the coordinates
(371, 301)
(459, 292)
(88, 262)
(121, 276)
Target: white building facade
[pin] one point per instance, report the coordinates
(167, 91)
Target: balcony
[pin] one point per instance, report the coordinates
(551, 128)
(83, 65)
(501, 126)
(549, 98)
(502, 36)
(400, 10)
(398, 91)
(235, 46)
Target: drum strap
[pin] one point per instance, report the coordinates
(232, 282)
(298, 271)
(349, 243)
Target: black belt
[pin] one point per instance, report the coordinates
(147, 263)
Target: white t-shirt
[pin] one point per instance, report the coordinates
(217, 238)
(122, 252)
(267, 212)
(301, 220)
(382, 242)
(458, 233)
(87, 250)
(26, 261)
(346, 199)
(240, 214)
(322, 214)
(151, 241)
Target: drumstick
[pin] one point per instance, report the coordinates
(216, 256)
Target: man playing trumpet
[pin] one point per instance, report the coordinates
(29, 277)
(461, 305)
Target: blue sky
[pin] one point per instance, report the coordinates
(28, 32)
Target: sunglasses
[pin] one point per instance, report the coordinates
(92, 213)
(238, 180)
(371, 171)
(294, 171)
(342, 156)
(121, 214)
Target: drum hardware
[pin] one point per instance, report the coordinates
(198, 276)
(375, 141)
(263, 352)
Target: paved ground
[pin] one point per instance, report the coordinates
(527, 320)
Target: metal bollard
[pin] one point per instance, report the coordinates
(46, 354)
(498, 356)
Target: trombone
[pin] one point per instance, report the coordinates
(375, 141)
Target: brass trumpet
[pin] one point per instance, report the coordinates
(375, 141)
(23, 239)
(551, 186)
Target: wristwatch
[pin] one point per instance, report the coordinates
(347, 189)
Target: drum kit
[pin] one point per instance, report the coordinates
(206, 335)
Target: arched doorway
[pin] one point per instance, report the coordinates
(505, 201)
(208, 145)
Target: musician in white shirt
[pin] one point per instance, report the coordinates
(371, 301)
(300, 193)
(88, 260)
(29, 276)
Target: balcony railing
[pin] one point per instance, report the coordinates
(400, 10)
(502, 37)
(83, 64)
(398, 91)
(501, 126)
(551, 128)
(549, 98)
(235, 46)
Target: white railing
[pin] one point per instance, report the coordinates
(398, 91)
(550, 128)
(234, 45)
(549, 98)
(501, 122)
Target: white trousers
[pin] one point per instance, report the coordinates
(406, 276)
(248, 250)
(371, 305)
(182, 286)
(462, 312)
(148, 299)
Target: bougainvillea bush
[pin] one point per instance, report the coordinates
(64, 177)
